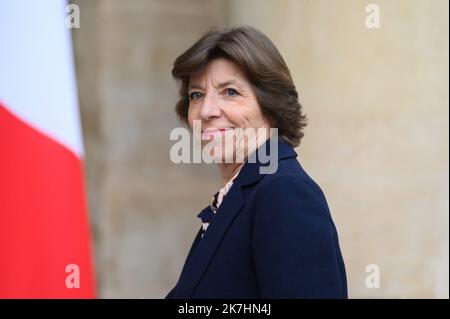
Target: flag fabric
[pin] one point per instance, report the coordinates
(45, 244)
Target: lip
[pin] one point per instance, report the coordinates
(211, 132)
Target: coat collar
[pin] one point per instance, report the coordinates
(203, 249)
(264, 158)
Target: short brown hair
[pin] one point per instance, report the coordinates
(264, 67)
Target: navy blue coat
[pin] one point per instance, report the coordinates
(272, 237)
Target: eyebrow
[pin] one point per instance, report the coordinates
(221, 85)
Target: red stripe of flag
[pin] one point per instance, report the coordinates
(43, 215)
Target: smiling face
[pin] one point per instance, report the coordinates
(223, 100)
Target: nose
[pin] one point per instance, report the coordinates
(210, 108)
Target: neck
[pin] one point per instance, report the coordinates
(228, 170)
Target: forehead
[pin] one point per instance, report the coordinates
(219, 70)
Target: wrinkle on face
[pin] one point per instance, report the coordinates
(215, 108)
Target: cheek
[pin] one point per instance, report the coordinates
(192, 115)
(246, 115)
(234, 116)
(259, 117)
(255, 115)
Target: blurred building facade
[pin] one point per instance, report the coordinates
(377, 139)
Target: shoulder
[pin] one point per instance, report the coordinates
(293, 238)
(290, 183)
(291, 198)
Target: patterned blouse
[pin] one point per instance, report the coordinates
(207, 215)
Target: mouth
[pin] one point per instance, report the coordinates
(212, 132)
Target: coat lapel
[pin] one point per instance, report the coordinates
(207, 245)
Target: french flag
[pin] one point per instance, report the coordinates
(45, 244)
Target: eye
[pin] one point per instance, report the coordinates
(231, 92)
(195, 95)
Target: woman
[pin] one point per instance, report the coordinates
(265, 234)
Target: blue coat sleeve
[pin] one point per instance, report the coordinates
(294, 241)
